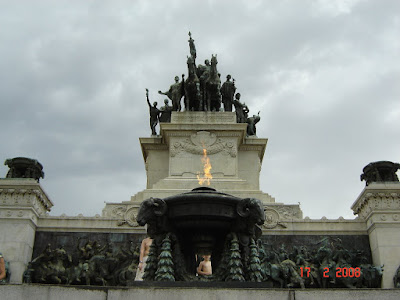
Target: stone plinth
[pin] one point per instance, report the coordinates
(379, 206)
(22, 203)
(173, 160)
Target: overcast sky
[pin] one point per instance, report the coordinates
(324, 74)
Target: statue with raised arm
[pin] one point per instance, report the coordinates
(192, 47)
(251, 124)
(154, 114)
(227, 92)
(175, 93)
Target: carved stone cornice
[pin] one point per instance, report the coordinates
(23, 199)
(26, 193)
(250, 148)
(376, 199)
(254, 144)
(153, 143)
(203, 117)
(178, 134)
(156, 147)
(169, 130)
(228, 134)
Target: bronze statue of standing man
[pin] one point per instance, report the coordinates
(165, 112)
(154, 114)
(228, 91)
(175, 93)
(241, 109)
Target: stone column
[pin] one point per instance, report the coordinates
(379, 206)
(22, 203)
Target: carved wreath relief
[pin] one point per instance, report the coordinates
(272, 219)
(200, 140)
(126, 215)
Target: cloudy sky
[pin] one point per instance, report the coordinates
(325, 75)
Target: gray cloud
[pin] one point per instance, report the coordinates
(324, 75)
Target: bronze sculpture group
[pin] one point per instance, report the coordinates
(297, 266)
(90, 264)
(202, 91)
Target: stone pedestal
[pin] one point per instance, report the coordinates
(379, 206)
(22, 203)
(173, 160)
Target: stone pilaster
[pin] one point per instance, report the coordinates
(379, 206)
(22, 203)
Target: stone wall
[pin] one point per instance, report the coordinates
(38, 292)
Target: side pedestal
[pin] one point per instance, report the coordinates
(379, 206)
(22, 202)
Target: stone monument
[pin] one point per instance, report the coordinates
(202, 196)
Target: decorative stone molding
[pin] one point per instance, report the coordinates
(276, 214)
(16, 198)
(272, 219)
(125, 213)
(201, 139)
(250, 148)
(289, 212)
(180, 134)
(201, 117)
(156, 147)
(376, 201)
(228, 134)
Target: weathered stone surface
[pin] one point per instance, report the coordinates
(22, 203)
(173, 160)
(365, 294)
(200, 117)
(379, 206)
(41, 292)
(198, 294)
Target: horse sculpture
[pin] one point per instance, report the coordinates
(213, 87)
(192, 87)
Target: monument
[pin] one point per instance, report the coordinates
(202, 197)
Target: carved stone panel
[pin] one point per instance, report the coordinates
(186, 155)
(125, 215)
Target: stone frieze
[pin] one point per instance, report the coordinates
(188, 146)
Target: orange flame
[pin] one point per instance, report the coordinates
(205, 179)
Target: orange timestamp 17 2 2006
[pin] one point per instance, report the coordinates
(340, 272)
